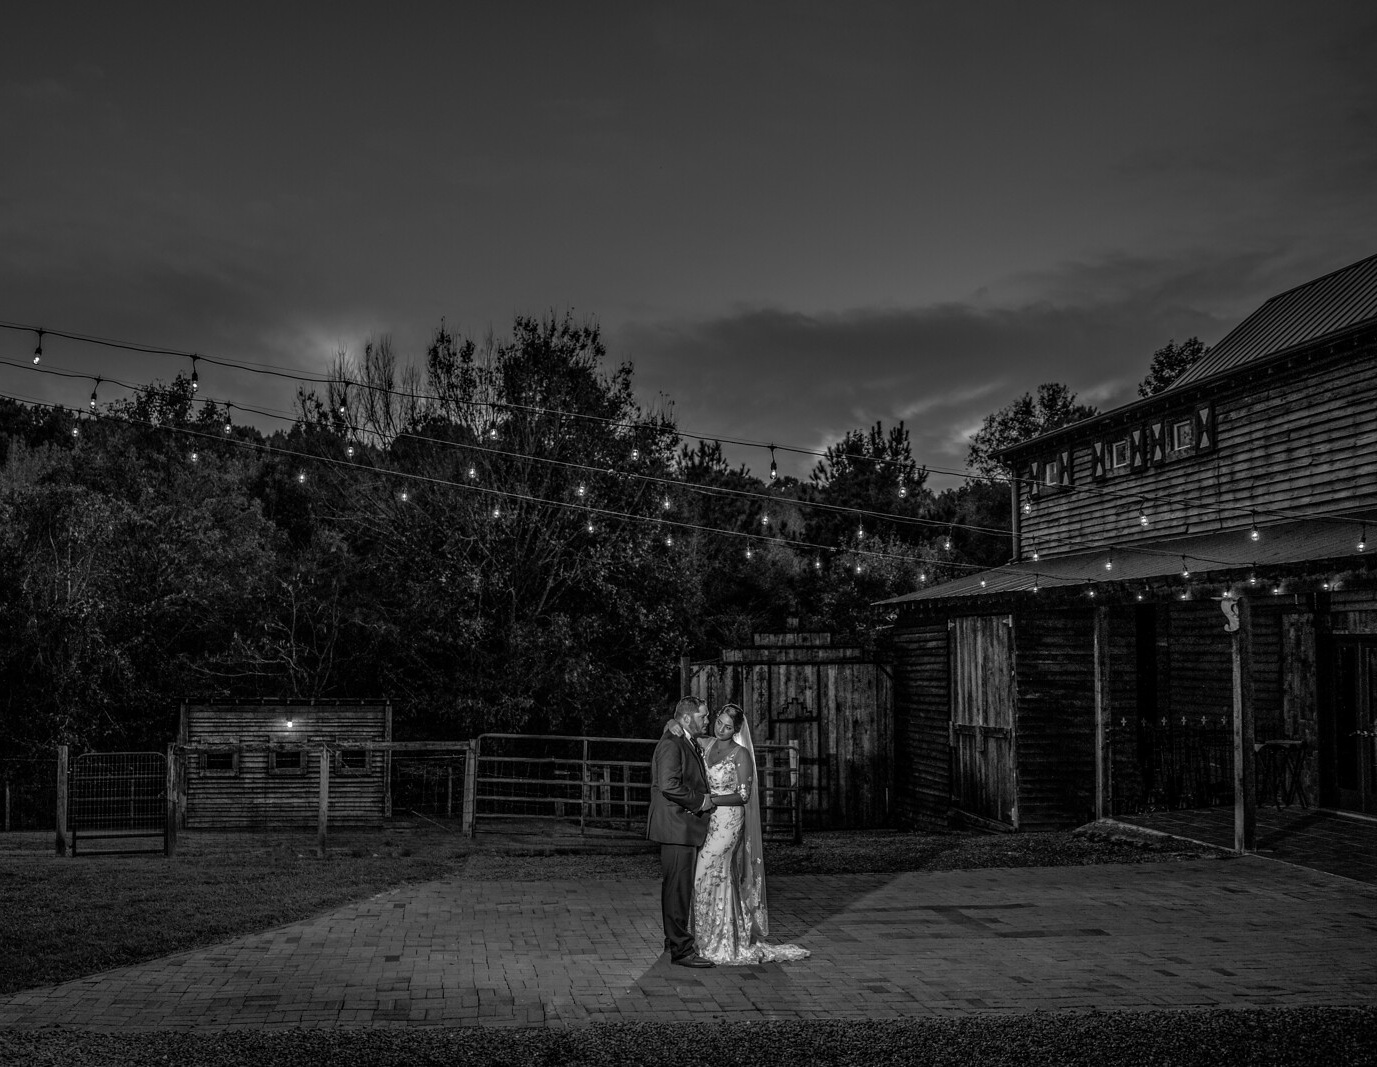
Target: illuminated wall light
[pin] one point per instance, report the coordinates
(38, 349)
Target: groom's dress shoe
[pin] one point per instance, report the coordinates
(693, 961)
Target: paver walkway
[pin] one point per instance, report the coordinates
(1240, 932)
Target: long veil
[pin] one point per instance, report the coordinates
(751, 887)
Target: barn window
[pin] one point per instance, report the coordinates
(352, 761)
(1183, 435)
(1119, 454)
(287, 761)
(222, 761)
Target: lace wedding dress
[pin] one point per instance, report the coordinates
(730, 917)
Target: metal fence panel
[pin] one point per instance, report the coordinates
(119, 797)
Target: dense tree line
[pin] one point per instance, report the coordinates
(400, 540)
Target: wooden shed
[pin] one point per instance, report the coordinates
(834, 700)
(256, 766)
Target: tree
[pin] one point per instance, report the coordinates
(873, 471)
(1170, 362)
(1027, 417)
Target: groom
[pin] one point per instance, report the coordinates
(680, 806)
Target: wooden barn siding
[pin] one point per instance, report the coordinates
(1125, 776)
(1056, 719)
(255, 799)
(922, 712)
(840, 713)
(1286, 442)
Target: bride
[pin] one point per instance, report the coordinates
(730, 918)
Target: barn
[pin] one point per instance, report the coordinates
(1189, 617)
(257, 766)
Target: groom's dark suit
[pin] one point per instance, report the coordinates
(678, 788)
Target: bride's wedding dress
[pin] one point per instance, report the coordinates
(730, 917)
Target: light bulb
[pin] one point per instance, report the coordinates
(349, 451)
(301, 477)
(1142, 519)
(38, 350)
(664, 504)
(635, 454)
(195, 457)
(903, 490)
(581, 490)
(496, 513)
(473, 473)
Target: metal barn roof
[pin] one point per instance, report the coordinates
(1328, 305)
(1282, 545)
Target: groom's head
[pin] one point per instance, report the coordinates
(692, 714)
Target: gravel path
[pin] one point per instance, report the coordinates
(1304, 1037)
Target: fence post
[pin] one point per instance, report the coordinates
(170, 833)
(1245, 776)
(470, 787)
(770, 819)
(62, 800)
(323, 817)
(796, 783)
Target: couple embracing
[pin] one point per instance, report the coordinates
(705, 815)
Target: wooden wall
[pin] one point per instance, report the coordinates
(835, 703)
(1286, 440)
(1056, 718)
(252, 796)
(922, 713)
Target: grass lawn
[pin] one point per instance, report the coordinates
(64, 918)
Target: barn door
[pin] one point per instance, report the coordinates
(1355, 725)
(982, 719)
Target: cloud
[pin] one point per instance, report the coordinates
(767, 374)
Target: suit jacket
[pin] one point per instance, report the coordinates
(678, 785)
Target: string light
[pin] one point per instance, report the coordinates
(195, 378)
(982, 583)
(764, 520)
(496, 512)
(349, 451)
(227, 417)
(344, 400)
(93, 394)
(858, 567)
(590, 525)
(1362, 539)
(635, 454)
(473, 473)
(301, 477)
(76, 431)
(664, 504)
(1143, 516)
(195, 456)
(1185, 571)
(817, 563)
(1036, 556)
(946, 541)
(1252, 575)
(860, 531)
(1139, 594)
(1253, 533)
(1109, 563)
(38, 350)
(774, 469)
(748, 550)
(404, 496)
(922, 577)
(581, 490)
(1036, 586)
(669, 540)
(903, 488)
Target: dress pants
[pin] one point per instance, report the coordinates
(676, 898)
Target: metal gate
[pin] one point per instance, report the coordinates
(120, 798)
(600, 786)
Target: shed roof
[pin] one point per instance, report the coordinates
(1282, 545)
(1328, 305)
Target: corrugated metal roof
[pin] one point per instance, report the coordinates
(1328, 305)
(1282, 544)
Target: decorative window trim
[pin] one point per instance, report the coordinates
(1119, 452)
(276, 762)
(1182, 439)
(213, 764)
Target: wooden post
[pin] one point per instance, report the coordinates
(323, 816)
(1245, 776)
(1103, 715)
(796, 783)
(684, 672)
(62, 848)
(170, 831)
(470, 787)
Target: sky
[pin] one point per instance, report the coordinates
(793, 219)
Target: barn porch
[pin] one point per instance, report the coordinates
(1045, 694)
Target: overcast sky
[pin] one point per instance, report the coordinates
(794, 219)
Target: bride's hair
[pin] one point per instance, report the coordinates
(734, 710)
